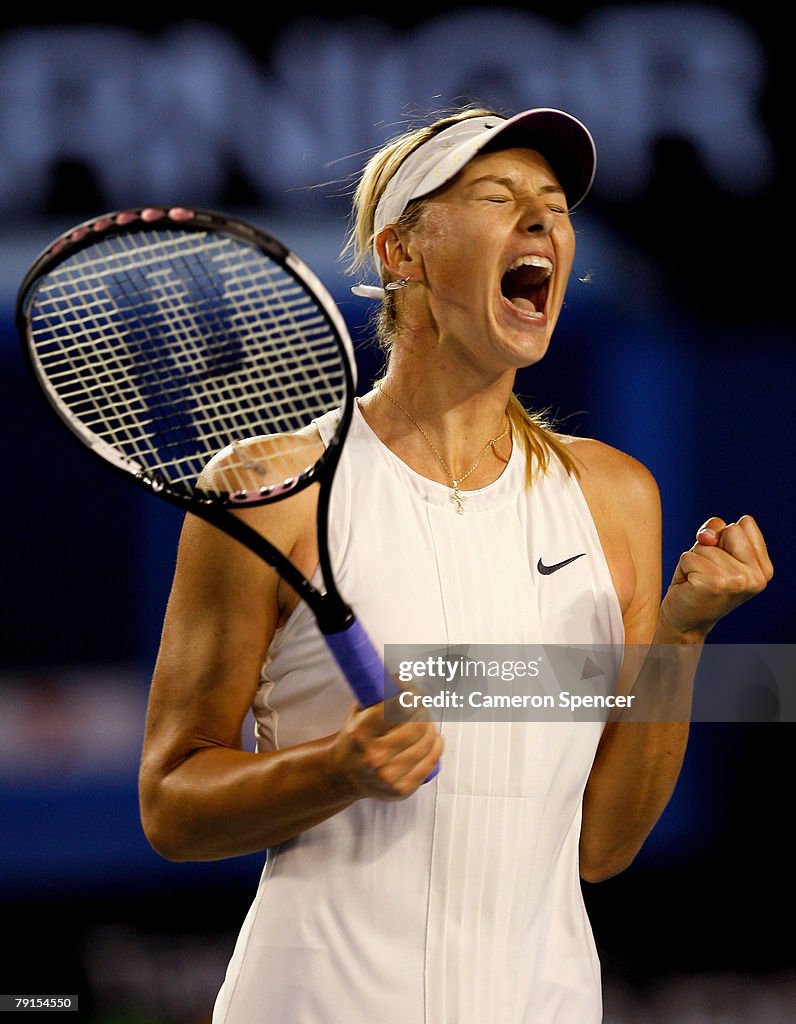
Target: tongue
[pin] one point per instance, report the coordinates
(519, 285)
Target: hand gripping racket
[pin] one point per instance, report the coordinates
(161, 337)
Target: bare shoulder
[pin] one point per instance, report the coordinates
(624, 502)
(266, 463)
(611, 477)
(258, 461)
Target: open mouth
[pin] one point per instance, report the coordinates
(524, 284)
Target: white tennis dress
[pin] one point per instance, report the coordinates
(461, 904)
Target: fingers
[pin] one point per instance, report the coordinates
(728, 564)
(746, 536)
(710, 532)
(717, 573)
(386, 760)
(744, 543)
(716, 531)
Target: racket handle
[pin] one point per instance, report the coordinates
(360, 663)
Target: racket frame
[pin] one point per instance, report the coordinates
(345, 636)
(216, 508)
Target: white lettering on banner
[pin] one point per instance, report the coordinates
(169, 116)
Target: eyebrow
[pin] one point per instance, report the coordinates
(511, 184)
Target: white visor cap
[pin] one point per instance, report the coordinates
(563, 140)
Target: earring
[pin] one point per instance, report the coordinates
(393, 286)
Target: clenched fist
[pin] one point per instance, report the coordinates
(727, 565)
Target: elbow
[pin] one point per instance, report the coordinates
(594, 873)
(606, 850)
(160, 824)
(599, 866)
(160, 836)
(164, 844)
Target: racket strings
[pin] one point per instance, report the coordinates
(170, 346)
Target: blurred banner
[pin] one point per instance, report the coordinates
(102, 114)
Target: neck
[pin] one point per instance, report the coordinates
(447, 391)
(442, 426)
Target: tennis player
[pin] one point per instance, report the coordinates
(457, 518)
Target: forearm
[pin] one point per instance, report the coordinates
(639, 764)
(220, 802)
(640, 755)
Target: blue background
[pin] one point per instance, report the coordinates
(678, 350)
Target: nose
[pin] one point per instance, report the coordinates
(537, 218)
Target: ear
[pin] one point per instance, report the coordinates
(397, 253)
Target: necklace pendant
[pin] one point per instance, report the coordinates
(459, 499)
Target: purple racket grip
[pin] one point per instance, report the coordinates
(360, 663)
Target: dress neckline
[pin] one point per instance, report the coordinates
(436, 493)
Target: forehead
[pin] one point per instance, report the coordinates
(518, 166)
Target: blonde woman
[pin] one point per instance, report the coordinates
(457, 518)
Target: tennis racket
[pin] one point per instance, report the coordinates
(163, 337)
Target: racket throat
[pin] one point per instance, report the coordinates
(333, 614)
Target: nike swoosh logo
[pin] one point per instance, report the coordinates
(547, 570)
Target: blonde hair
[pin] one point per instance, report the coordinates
(533, 430)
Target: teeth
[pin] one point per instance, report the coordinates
(540, 262)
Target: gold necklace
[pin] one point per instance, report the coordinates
(457, 497)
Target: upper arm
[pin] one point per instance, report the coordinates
(222, 613)
(624, 500)
(219, 620)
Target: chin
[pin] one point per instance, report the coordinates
(527, 351)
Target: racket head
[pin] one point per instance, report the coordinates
(170, 340)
